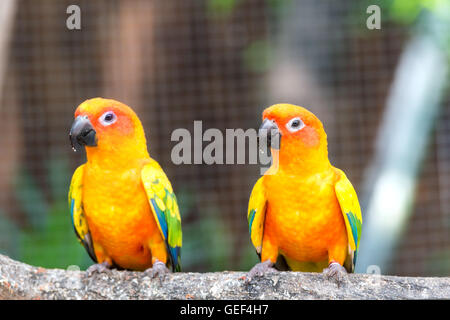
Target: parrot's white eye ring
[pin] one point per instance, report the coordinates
(108, 118)
(295, 124)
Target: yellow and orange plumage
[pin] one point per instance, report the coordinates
(303, 209)
(123, 207)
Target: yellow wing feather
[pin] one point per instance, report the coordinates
(165, 209)
(79, 221)
(256, 214)
(348, 201)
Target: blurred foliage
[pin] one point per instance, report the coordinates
(31, 199)
(222, 8)
(433, 16)
(48, 240)
(258, 56)
(203, 237)
(407, 11)
(54, 244)
(8, 236)
(430, 16)
(438, 263)
(249, 257)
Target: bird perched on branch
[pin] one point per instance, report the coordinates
(303, 214)
(122, 205)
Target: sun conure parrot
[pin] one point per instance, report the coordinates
(303, 213)
(122, 205)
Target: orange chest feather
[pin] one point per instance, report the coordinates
(303, 214)
(117, 210)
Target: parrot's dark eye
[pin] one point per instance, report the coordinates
(295, 124)
(108, 118)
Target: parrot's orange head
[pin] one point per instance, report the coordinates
(106, 125)
(298, 131)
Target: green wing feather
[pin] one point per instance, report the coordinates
(256, 215)
(351, 211)
(79, 221)
(165, 209)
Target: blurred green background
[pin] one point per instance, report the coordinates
(382, 95)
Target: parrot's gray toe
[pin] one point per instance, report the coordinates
(103, 267)
(335, 271)
(159, 269)
(261, 269)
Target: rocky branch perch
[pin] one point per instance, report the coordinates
(21, 281)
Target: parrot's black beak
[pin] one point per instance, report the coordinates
(269, 134)
(82, 133)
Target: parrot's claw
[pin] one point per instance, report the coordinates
(260, 269)
(158, 269)
(335, 271)
(103, 267)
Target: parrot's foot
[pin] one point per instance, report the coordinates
(260, 269)
(335, 271)
(158, 269)
(103, 267)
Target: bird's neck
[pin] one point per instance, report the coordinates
(305, 163)
(114, 158)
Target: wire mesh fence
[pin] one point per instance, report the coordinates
(221, 62)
